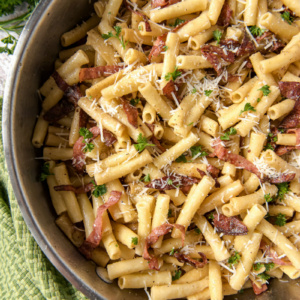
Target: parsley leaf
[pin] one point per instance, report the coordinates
(225, 137)
(265, 89)
(99, 190)
(173, 75)
(177, 22)
(217, 34)
(256, 31)
(268, 198)
(134, 241)
(142, 143)
(165, 48)
(88, 147)
(208, 93)
(169, 213)
(197, 151)
(45, 172)
(169, 181)
(269, 146)
(197, 230)
(258, 100)
(211, 216)
(264, 276)
(234, 259)
(194, 91)
(248, 107)
(286, 16)
(269, 266)
(280, 220)
(147, 178)
(118, 30)
(134, 102)
(181, 158)
(257, 266)
(85, 133)
(172, 251)
(177, 275)
(283, 188)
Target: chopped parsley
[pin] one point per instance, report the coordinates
(217, 34)
(269, 146)
(197, 151)
(256, 31)
(208, 93)
(280, 220)
(134, 241)
(190, 124)
(165, 48)
(283, 188)
(234, 259)
(211, 216)
(257, 266)
(265, 89)
(264, 276)
(88, 147)
(194, 91)
(268, 198)
(45, 172)
(172, 251)
(286, 16)
(181, 158)
(269, 266)
(99, 190)
(147, 178)
(177, 275)
(173, 75)
(258, 100)
(86, 134)
(177, 22)
(118, 30)
(169, 181)
(135, 102)
(169, 213)
(197, 230)
(225, 137)
(248, 107)
(142, 143)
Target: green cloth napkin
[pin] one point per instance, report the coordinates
(25, 272)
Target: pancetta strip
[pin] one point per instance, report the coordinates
(163, 3)
(247, 47)
(285, 149)
(257, 290)
(58, 111)
(131, 112)
(153, 237)
(290, 89)
(158, 47)
(229, 225)
(169, 90)
(157, 143)
(97, 72)
(175, 181)
(194, 263)
(77, 190)
(225, 15)
(93, 240)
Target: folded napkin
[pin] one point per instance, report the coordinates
(25, 272)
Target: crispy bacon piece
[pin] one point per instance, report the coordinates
(283, 178)
(157, 143)
(277, 47)
(292, 120)
(77, 190)
(158, 47)
(194, 263)
(178, 180)
(266, 34)
(58, 111)
(239, 161)
(93, 240)
(213, 171)
(281, 150)
(247, 47)
(290, 89)
(277, 260)
(78, 154)
(225, 15)
(163, 3)
(169, 89)
(72, 93)
(83, 118)
(131, 112)
(229, 44)
(257, 290)
(97, 72)
(229, 225)
(153, 237)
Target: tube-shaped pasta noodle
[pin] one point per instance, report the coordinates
(188, 169)
(87, 213)
(149, 114)
(192, 203)
(192, 62)
(40, 132)
(290, 271)
(195, 42)
(138, 281)
(193, 275)
(275, 210)
(135, 56)
(209, 126)
(280, 109)
(125, 235)
(62, 178)
(215, 281)
(175, 151)
(281, 241)
(133, 36)
(214, 10)
(294, 6)
(240, 94)
(177, 10)
(218, 246)
(250, 14)
(243, 269)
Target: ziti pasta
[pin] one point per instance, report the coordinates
(171, 135)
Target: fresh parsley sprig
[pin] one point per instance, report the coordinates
(225, 137)
(248, 107)
(197, 151)
(99, 190)
(173, 75)
(217, 34)
(234, 259)
(280, 220)
(142, 143)
(134, 241)
(177, 275)
(177, 22)
(283, 188)
(208, 93)
(45, 172)
(286, 16)
(118, 30)
(265, 89)
(135, 102)
(256, 31)
(86, 134)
